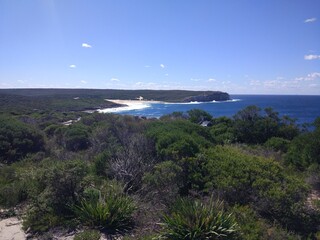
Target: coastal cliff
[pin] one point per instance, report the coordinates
(208, 97)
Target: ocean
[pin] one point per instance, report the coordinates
(305, 109)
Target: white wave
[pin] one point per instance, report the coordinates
(226, 101)
(214, 101)
(184, 103)
(129, 107)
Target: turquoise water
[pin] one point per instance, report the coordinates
(303, 108)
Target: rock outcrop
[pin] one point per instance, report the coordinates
(208, 97)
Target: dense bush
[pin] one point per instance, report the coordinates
(275, 194)
(198, 116)
(251, 126)
(222, 130)
(305, 149)
(57, 185)
(76, 138)
(72, 176)
(12, 191)
(178, 138)
(278, 144)
(17, 139)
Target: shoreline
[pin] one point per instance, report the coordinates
(127, 105)
(132, 102)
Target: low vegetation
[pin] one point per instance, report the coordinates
(252, 176)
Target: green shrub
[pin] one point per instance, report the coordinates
(76, 138)
(13, 188)
(12, 194)
(278, 144)
(178, 138)
(263, 183)
(111, 212)
(88, 235)
(100, 164)
(17, 139)
(56, 186)
(304, 150)
(194, 220)
(40, 217)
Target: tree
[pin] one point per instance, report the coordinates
(198, 116)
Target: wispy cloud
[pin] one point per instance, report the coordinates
(72, 66)
(309, 20)
(311, 57)
(147, 66)
(309, 77)
(86, 45)
(211, 80)
(83, 82)
(162, 65)
(195, 79)
(114, 80)
(166, 74)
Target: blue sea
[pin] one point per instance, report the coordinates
(302, 108)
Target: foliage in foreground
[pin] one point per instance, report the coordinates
(194, 220)
(88, 235)
(111, 212)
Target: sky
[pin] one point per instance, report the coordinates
(237, 46)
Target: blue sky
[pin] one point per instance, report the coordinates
(238, 46)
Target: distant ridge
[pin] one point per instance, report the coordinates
(157, 95)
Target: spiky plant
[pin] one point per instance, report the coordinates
(194, 220)
(112, 212)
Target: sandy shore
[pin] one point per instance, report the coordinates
(128, 105)
(132, 102)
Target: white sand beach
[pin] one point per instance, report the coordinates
(129, 105)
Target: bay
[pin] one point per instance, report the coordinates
(305, 109)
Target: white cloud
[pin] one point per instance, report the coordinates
(255, 83)
(83, 82)
(147, 66)
(86, 45)
(309, 20)
(162, 65)
(166, 74)
(72, 66)
(309, 77)
(211, 80)
(114, 80)
(311, 57)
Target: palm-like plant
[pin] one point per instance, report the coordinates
(112, 212)
(191, 220)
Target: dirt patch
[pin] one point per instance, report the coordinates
(11, 229)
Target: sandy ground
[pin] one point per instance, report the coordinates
(10, 229)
